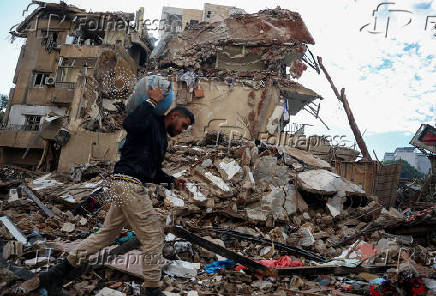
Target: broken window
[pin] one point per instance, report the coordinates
(49, 40)
(39, 78)
(88, 32)
(32, 122)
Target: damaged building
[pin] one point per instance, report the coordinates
(239, 66)
(75, 66)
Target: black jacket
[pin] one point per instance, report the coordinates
(146, 144)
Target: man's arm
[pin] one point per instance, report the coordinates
(139, 120)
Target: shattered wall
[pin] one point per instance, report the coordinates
(70, 70)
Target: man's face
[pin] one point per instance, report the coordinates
(178, 124)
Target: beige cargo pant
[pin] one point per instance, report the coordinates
(131, 206)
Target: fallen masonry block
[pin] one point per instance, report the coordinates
(229, 169)
(306, 158)
(109, 292)
(172, 200)
(182, 268)
(215, 180)
(326, 183)
(197, 195)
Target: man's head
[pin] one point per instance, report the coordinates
(178, 120)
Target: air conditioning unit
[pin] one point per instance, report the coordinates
(50, 81)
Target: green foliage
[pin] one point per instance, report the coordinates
(407, 171)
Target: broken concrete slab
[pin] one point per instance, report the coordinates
(273, 203)
(195, 190)
(172, 200)
(268, 172)
(13, 195)
(326, 183)
(44, 182)
(68, 227)
(257, 215)
(214, 180)
(109, 292)
(293, 201)
(306, 158)
(335, 204)
(229, 168)
(30, 194)
(182, 268)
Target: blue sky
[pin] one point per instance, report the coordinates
(390, 82)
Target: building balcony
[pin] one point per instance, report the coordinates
(20, 138)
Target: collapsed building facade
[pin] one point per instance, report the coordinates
(74, 66)
(238, 66)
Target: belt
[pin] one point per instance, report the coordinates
(126, 178)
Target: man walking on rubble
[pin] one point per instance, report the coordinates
(141, 159)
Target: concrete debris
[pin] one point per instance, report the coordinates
(182, 268)
(266, 208)
(68, 227)
(172, 200)
(306, 158)
(326, 183)
(229, 169)
(109, 292)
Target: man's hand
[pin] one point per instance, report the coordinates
(180, 184)
(155, 93)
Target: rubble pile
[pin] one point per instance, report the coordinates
(282, 208)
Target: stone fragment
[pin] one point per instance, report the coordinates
(109, 292)
(257, 214)
(307, 238)
(195, 190)
(273, 203)
(262, 285)
(268, 172)
(325, 182)
(206, 163)
(68, 227)
(13, 195)
(217, 181)
(83, 221)
(172, 200)
(182, 268)
(335, 204)
(293, 201)
(307, 158)
(228, 169)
